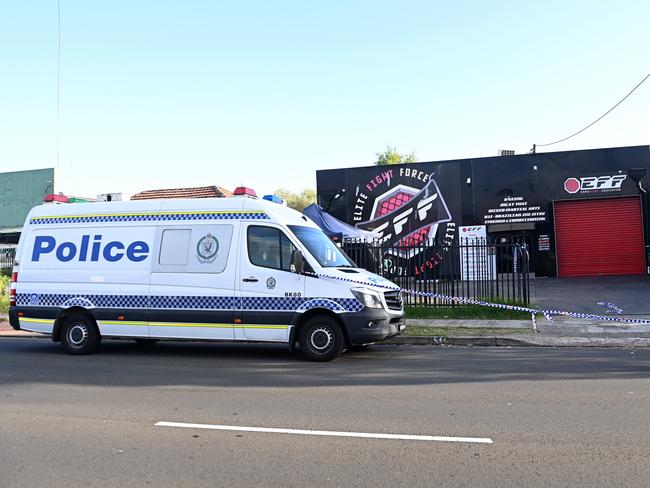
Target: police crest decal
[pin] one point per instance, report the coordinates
(207, 249)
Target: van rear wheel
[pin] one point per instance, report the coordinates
(321, 339)
(80, 335)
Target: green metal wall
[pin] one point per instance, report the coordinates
(20, 191)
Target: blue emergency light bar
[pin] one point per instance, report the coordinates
(273, 198)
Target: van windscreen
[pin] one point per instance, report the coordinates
(321, 247)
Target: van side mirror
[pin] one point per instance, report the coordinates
(297, 262)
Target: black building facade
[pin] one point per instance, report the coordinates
(580, 212)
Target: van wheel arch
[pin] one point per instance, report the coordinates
(60, 320)
(313, 313)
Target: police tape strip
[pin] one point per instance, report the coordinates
(469, 301)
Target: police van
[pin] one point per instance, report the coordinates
(228, 269)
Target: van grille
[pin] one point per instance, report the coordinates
(393, 300)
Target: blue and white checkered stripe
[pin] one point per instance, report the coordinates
(272, 304)
(150, 217)
(96, 301)
(193, 302)
(300, 304)
(468, 301)
(279, 304)
(325, 303)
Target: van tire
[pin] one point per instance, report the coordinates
(79, 335)
(321, 339)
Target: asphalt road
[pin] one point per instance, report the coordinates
(557, 417)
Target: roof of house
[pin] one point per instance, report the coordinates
(196, 192)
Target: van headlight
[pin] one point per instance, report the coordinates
(367, 297)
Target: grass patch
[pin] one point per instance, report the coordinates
(466, 312)
(422, 330)
(4, 304)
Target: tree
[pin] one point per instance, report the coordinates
(297, 201)
(391, 156)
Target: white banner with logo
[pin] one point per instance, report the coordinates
(477, 260)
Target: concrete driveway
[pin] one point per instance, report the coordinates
(629, 293)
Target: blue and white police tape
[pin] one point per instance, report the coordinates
(611, 307)
(469, 301)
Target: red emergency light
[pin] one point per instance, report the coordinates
(12, 289)
(246, 192)
(52, 198)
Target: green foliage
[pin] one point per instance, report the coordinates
(297, 201)
(4, 298)
(391, 156)
(4, 284)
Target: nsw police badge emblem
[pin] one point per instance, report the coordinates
(207, 249)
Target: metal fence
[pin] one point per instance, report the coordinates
(7, 258)
(477, 269)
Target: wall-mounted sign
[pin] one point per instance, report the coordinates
(514, 210)
(543, 242)
(591, 184)
(477, 261)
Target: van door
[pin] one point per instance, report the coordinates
(270, 292)
(193, 281)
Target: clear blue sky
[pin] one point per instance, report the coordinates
(186, 93)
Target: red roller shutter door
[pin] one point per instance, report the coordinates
(599, 237)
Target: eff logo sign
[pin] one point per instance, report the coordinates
(594, 183)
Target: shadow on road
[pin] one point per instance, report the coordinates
(123, 363)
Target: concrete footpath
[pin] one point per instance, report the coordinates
(563, 331)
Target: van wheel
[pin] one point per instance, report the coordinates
(321, 339)
(80, 335)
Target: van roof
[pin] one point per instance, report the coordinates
(276, 212)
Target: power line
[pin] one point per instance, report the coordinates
(58, 81)
(595, 121)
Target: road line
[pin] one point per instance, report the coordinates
(332, 433)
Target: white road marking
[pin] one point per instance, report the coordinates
(332, 433)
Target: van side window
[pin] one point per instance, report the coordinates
(269, 248)
(201, 248)
(174, 246)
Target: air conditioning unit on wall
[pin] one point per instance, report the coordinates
(109, 197)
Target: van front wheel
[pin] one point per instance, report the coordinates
(80, 335)
(321, 339)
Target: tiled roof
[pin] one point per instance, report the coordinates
(196, 192)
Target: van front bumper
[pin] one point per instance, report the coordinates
(372, 325)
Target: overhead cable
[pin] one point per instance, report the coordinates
(599, 118)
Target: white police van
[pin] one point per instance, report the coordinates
(233, 269)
